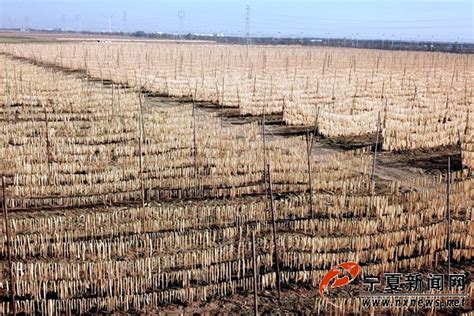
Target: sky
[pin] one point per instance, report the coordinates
(433, 20)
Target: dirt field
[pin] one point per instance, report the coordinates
(124, 199)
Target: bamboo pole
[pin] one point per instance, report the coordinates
(275, 246)
(9, 252)
(255, 274)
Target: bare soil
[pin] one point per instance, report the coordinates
(300, 299)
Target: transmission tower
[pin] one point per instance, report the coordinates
(181, 22)
(125, 21)
(247, 23)
(78, 23)
(109, 18)
(26, 22)
(63, 22)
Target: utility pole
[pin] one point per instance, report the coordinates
(247, 24)
(181, 15)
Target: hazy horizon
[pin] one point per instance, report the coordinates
(391, 20)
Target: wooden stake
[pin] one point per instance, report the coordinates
(48, 145)
(112, 101)
(316, 125)
(223, 88)
(142, 124)
(9, 252)
(333, 85)
(255, 274)
(194, 133)
(194, 151)
(448, 214)
(372, 177)
(140, 157)
(310, 188)
(467, 123)
(460, 147)
(264, 148)
(275, 246)
(222, 102)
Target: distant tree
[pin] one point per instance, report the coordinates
(139, 34)
(454, 47)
